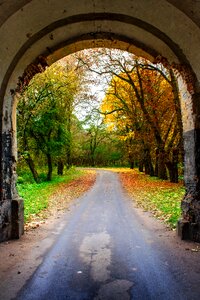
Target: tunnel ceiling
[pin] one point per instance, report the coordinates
(55, 29)
(190, 7)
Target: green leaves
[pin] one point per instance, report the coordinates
(45, 114)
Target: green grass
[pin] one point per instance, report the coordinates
(165, 204)
(166, 200)
(160, 197)
(36, 196)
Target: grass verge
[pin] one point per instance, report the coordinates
(38, 197)
(160, 197)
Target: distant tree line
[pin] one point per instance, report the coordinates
(137, 123)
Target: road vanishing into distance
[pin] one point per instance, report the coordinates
(107, 251)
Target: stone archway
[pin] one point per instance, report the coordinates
(34, 32)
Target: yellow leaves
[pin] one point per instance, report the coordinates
(129, 135)
(142, 99)
(62, 197)
(110, 127)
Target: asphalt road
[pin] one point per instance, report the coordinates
(106, 252)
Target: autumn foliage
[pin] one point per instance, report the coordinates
(159, 197)
(142, 106)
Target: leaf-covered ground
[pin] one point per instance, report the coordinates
(161, 198)
(66, 192)
(48, 198)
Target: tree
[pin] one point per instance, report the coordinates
(155, 91)
(96, 135)
(44, 116)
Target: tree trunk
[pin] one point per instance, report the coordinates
(173, 167)
(141, 165)
(92, 160)
(130, 155)
(60, 167)
(32, 168)
(156, 163)
(68, 156)
(148, 163)
(162, 172)
(50, 167)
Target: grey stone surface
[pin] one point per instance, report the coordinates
(51, 29)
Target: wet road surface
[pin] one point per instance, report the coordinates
(105, 252)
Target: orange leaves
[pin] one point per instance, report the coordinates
(59, 201)
(139, 181)
(66, 192)
(161, 198)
